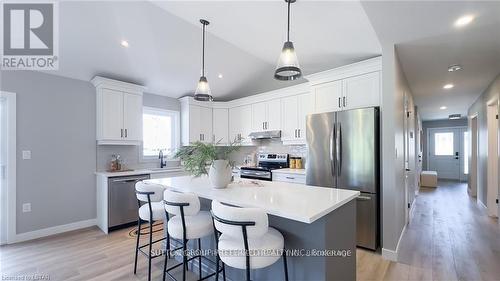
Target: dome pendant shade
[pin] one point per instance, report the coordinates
(288, 65)
(203, 92)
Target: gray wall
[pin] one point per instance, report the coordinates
(56, 121)
(438, 124)
(131, 155)
(479, 107)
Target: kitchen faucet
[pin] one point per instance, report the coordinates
(162, 162)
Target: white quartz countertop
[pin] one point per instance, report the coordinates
(297, 202)
(290, 171)
(139, 172)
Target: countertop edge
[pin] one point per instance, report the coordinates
(136, 172)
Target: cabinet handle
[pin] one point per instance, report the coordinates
(339, 103)
(344, 101)
(290, 178)
(121, 133)
(126, 134)
(298, 130)
(295, 132)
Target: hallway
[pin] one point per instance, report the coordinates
(449, 238)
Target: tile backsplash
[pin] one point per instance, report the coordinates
(130, 155)
(270, 146)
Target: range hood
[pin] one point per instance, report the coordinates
(265, 135)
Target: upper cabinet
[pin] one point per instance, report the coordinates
(329, 96)
(196, 123)
(119, 112)
(294, 111)
(266, 116)
(221, 126)
(362, 91)
(240, 124)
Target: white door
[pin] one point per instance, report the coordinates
(220, 126)
(329, 96)
(194, 123)
(132, 118)
(289, 118)
(259, 116)
(246, 122)
(444, 152)
(464, 154)
(112, 115)
(234, 123)
(273, 110)
(305, 107)
(361, 91)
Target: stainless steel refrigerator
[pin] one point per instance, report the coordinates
(344, 153)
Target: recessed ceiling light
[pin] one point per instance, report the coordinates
(220, 75)
(448, 86)
(464, 20)
(443, 107)
(454, 67)
(124, 43)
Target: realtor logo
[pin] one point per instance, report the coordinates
(29, 36)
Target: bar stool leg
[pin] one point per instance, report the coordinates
(184, 260)
(150, 248)
(137, 244)
(199, 259)
(165, 262)
(285, 265)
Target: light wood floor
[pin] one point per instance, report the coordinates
(449, 238)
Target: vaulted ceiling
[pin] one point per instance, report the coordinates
(243, 42)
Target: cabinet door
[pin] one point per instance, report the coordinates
(112, 115)
(329, 96)
(205, 122)
(235, 123)
(305, 107)
(220, 126)
(289, 118)
(194, 123)
(273, 120)
(132, 117)
(246, 122)
(259, 116)
(362, 91)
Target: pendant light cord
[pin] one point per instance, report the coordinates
(288, 26)
(203, 54)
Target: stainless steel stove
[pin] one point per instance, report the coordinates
(266, 162)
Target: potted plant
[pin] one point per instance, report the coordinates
(197, 157)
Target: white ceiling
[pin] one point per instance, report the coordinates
(427, 42)
(243, 42)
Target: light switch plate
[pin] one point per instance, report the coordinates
(26, 207)
(26, 154)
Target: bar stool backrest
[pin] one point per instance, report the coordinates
(227, 219)
(176, 197)
(155, 191)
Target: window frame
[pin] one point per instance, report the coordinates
(176, 138)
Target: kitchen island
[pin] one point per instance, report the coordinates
(319, 224)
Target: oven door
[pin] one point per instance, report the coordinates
(255, 174)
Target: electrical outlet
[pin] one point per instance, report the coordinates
(26, 154)
(26, 207)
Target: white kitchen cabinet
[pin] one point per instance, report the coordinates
(294, 110)
(329, 96)
(289, 177)
(221, 126)
(266, 116)
(240, 123)
(362, 91)
(196, 123)
(119, 112)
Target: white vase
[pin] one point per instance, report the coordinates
(220, 173)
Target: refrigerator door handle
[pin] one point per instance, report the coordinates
(338, 144)
(333, 150)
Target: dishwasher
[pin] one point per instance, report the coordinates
(122, 201)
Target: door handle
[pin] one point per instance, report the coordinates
(339, 149)
(121, 133)
(299, 132)
(339, 103)
(295, 133)
(290, 178)
(343, 98)
(126, 134)
(333, 150)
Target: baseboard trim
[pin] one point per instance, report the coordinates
(53, 230)
(391, 254)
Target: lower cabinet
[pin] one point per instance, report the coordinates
(293, 178)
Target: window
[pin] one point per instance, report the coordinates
(466, 153)
(160, 132)
(443, 144)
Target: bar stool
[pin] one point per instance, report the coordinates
(152, 210)
(246, 230)
(188, 223)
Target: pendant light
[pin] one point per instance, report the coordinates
(203, 92)
(288, 65)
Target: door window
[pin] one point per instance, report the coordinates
(443, 144)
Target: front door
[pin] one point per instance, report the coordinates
(446, 153)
